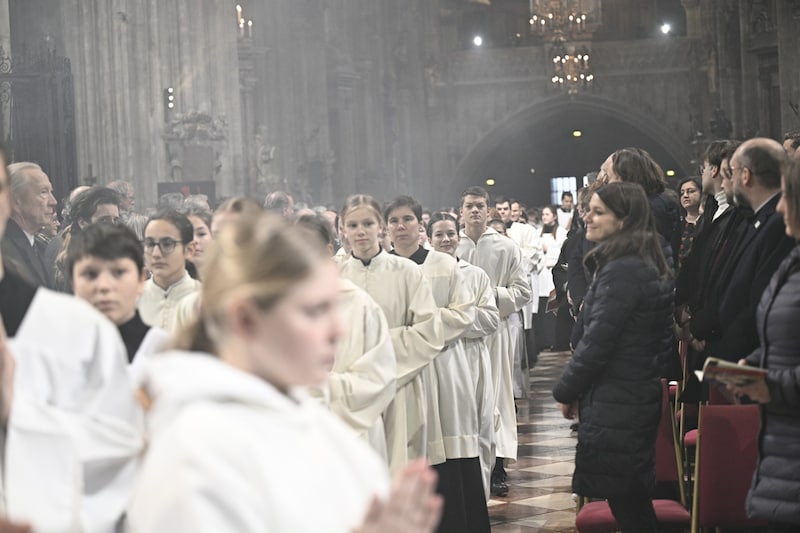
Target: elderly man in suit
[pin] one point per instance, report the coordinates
(759, 245)
(32, 207)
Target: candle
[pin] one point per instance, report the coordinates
(250, 28)
(238, 13)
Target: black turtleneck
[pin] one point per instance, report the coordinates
(418, 257)
(366, 262)
(16, 296)
(133, 333)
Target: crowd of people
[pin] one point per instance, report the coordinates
(191, 369)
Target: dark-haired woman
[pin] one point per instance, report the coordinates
(634, 165)
(201, 222)
(623, 335)
(92, 206)
(690, 191)
(106, 265)
(170, 294)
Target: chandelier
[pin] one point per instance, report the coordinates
(568, 29)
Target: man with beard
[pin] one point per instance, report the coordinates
(758, 245)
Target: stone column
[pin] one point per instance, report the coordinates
(694, 22)
(5, 45)
(124, 54)
(789, 66)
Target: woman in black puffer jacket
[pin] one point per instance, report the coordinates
(622, 336)
(775, 492)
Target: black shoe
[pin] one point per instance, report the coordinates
(499, 488)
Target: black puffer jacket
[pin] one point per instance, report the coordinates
(775, 493)
(623, 331)
(667, 218)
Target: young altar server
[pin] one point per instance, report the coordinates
(361, 383)
(105, 265)
(72, 427)
(452, 404)
(444, 237)
(170, 295)
(501, 259)
(269, 327)
(402, 291)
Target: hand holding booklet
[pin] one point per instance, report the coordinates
(727, 373)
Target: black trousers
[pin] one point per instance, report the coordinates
(461, 486)
(634, 512)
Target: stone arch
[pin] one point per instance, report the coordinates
(672, 151)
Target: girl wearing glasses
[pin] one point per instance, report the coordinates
(170, 294)
(269, 328)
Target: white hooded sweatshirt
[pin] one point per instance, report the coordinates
(229, 452)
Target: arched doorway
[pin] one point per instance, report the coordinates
(536, 144)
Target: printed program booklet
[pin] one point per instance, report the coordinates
(727, 373)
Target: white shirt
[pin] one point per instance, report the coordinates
(165, 308)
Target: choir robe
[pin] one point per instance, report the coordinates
(220, 452)
(398, 286)
(362, 382)
(452, 406)
(487, 319)
(169, 309)
(501, 259)
(530, 245)
(75, 431)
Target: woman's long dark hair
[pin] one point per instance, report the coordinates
(635, 165)
(638, 235)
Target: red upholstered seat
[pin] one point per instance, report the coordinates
(726, 456)
(596, 517)
(690, 439)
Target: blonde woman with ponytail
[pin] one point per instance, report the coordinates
(229, 408)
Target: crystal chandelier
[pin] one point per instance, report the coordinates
(563, 24)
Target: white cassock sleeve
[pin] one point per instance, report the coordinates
(362, 382)
(458, 315)
(420, 340)
(75, 430)
(517, 291)
(487, 317)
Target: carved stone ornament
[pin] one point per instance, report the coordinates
(194, 146)
(266, 180)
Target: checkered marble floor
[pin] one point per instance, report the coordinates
(540, 494)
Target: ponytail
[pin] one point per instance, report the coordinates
(194, 337)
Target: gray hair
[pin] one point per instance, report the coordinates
(18, 177)
(123, 188)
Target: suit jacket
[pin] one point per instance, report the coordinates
(762, 246)
(27, 260)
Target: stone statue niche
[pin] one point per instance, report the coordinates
(194, 145)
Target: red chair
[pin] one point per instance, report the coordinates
(726, 455)
(596, 517)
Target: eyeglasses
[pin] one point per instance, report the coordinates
(166, 245)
